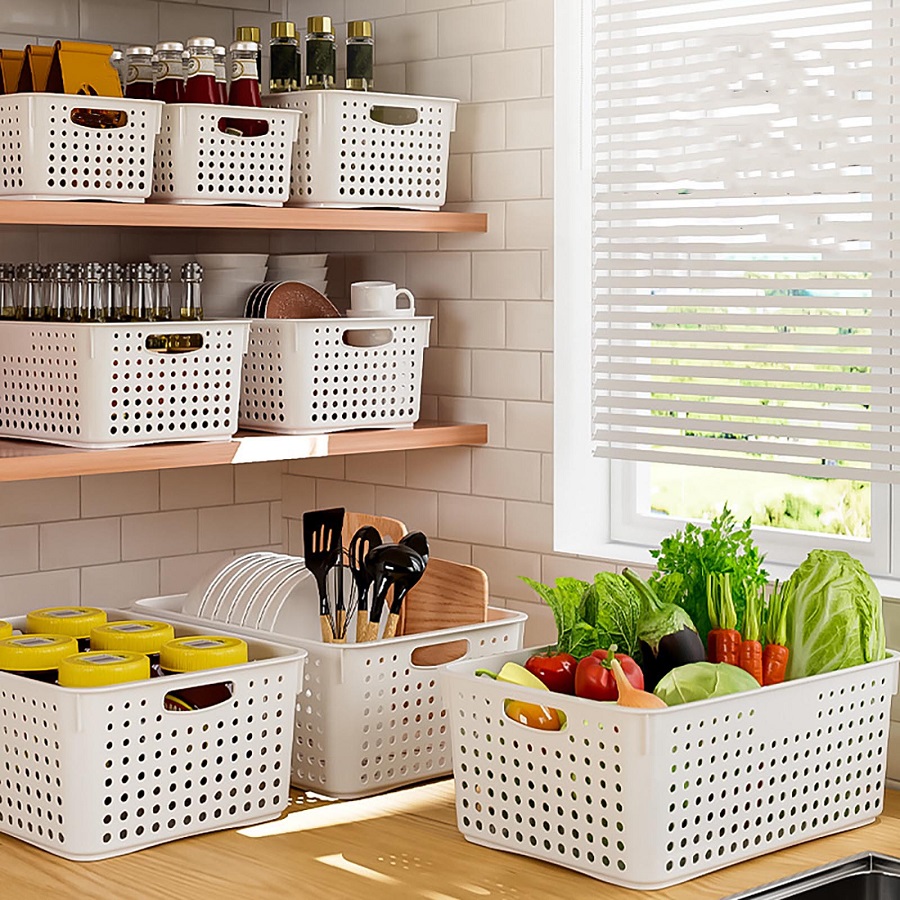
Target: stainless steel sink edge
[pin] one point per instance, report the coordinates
(860, 864)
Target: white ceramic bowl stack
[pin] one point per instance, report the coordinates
(228, 279)
(310, 268)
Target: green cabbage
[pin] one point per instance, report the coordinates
(702, 680)
(834, 617)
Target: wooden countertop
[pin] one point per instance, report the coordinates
(401, 845)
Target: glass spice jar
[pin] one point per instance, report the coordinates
(284, 58)
(321, 55)
(360, 56)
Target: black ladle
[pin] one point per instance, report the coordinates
(417, 541)
(365, 539)
(391, 565)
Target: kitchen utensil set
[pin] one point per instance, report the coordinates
(371, 562)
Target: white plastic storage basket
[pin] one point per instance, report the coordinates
(197, 162)
(90, 773)
(359, 149)
(309, 376)
(369, 718)
(120, 384)
(647, 799)
(54, 147)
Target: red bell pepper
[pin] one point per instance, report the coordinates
(556, 671)
(594, 678)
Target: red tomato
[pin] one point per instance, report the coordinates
(557, 672)
(594, 678)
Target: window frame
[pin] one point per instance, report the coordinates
(594, 509)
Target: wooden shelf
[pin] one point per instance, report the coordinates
(27, 460)
(154, 215)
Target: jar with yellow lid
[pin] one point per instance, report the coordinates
(98, 668)
(6, 630)
(36, 656)
(196, 654)
(72, 621)
(135, 636)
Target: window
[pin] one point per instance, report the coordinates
(723, 198)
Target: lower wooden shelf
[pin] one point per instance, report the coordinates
(27, 460)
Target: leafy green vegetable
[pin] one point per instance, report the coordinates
(565, 600)
(592, 616)
(685, 559)
(834, 619)
(616, 607)
(702, 680)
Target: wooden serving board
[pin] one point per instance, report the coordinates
(449, 595)
(391, 530)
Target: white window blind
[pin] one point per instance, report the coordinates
(742, 215)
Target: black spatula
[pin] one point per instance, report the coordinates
(321, 552)
(361, 543)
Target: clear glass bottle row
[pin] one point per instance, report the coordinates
(97, 292)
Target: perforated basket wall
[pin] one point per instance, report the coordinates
(100, 385)
(346, 157)
(301, 376)
(369, 719)
(99, 772)
(197, 162)
(47, 152)
(650, 799)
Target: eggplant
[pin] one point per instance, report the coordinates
(667, 635)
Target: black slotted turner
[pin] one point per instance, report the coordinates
(322, 552)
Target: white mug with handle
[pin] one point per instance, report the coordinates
(376, 299)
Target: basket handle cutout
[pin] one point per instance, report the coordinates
(88, 117)
(394, 115)
(173, 343)
(368, 337)
(199, 697)
(438, 654)
(537, 716)
(243, 128)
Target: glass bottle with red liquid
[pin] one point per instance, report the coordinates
(221, 76)
(169, 86)
(244, 89)
(139, 73)
(201, 72)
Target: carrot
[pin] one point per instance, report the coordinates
(751, 648)
(723, 644)
(776, 654)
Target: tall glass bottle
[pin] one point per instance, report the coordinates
(201, 72)
(191, 299)
(9, 309)
(113, 275)
(169, 86)
(92, 306)
(360, 57)
(31, 290)
(142, 299)
(321, 55)
(139, 73)
(60, 300)
(161, 309)
(117, 60)
(284, 58)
